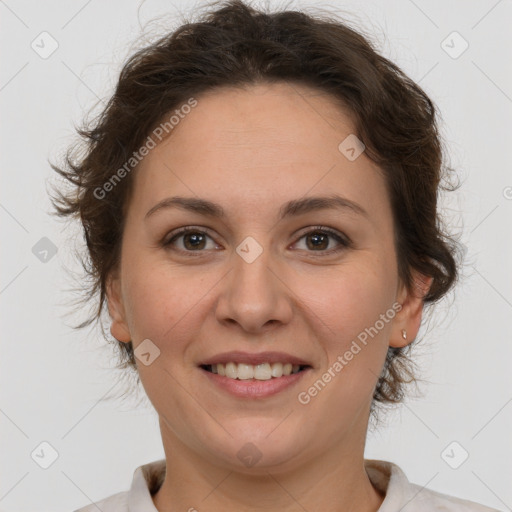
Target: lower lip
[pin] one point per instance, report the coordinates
(253, 388)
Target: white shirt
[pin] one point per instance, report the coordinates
(388, 478)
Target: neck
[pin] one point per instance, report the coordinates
(336, 480)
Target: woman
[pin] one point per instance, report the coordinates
(259, 205)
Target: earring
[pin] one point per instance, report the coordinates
(404, 334)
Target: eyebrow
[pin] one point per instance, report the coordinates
(289, 209)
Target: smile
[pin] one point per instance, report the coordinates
(263, 371)
(261, 384)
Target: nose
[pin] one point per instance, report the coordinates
(255, 296)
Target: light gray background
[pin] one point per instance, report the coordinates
(52, 378)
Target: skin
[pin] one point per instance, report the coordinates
(251, 150)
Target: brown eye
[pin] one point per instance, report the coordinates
(192, 240)
(320, 240)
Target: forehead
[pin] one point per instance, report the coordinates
(275, 116)
(264, 141)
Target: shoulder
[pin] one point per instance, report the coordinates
(115, 503)
(427, 500)
(146, 480)
(404, 496)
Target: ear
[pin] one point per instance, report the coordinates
(408, 319)
(118, 327)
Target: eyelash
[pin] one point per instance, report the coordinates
(344, 241)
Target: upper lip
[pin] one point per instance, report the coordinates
(254, 358)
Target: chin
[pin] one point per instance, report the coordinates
(257, 452)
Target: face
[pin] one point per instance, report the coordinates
(307, 279)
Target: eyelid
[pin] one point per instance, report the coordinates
(326, 229)
(183, 231)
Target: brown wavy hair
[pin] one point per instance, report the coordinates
(236, 45)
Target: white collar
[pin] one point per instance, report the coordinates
(387, 477)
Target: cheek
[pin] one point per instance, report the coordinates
(163, 303)
(355, 343)
(353, 306)
(353, 294)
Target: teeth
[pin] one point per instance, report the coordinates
(264, 371)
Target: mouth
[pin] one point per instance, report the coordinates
(262, 371)
(251, 375)
(245, 381)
